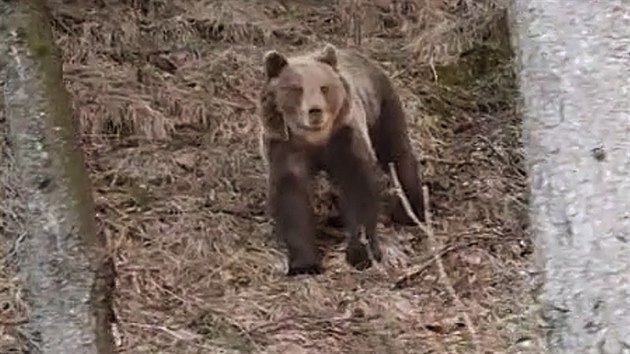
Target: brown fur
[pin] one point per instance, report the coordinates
(336, 111)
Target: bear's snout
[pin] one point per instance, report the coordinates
(315, 116)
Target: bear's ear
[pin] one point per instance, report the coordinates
(328, 55)
(274, 63)
(273, 123)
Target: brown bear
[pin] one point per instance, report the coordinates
(336, 111)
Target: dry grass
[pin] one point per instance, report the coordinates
(166, 95)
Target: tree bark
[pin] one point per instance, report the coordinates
(63, 263)
(574, 66)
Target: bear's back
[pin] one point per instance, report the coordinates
(366, 80)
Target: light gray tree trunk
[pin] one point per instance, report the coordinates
(66, 272)
(575, 81)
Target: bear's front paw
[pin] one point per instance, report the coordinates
(308, 267)
(376, 251)
(357, 256)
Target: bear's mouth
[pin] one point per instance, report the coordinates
(311, 128)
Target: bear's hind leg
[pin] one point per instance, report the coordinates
(350, 171)
(392, 144)
(292, 212)
(406, 168)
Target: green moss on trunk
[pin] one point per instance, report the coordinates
(61, 128)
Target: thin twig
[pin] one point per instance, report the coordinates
(416, 270)
(446, 161)
(433, 244)
(403, 199)
(14, 322)
(433, 70)
(183, 336)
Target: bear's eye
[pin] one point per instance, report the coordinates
(294, 89)
(324, 89)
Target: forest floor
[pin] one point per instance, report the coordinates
(166, 93)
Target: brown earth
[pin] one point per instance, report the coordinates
(166, 95)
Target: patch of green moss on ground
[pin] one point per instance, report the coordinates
(481, 79)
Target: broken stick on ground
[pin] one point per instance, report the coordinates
(434, 246)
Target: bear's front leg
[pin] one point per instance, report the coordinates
(349, 167)
(291, 209)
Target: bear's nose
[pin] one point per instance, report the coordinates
(315, 116)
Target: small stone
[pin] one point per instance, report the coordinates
(599, 154)
(186, 161)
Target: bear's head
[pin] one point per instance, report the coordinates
(303, 95)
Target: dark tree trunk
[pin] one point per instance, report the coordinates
(574, 59)
(63, 264)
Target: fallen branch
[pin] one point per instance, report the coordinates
(436, 255)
